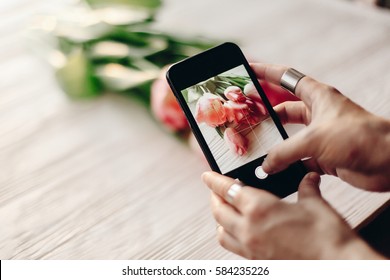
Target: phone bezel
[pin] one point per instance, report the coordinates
(203, 66)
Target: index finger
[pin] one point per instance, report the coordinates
(221, 184)
(272, 73)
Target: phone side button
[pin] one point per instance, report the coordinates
(259, 172)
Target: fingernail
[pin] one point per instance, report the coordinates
(315, 178)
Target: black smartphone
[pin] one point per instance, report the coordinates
(231, 117)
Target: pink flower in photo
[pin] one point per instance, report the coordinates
(247, 112)
(236, 142)
(234, 93)
(256, 111)
(210, 110)
(235, 112)
(251, 92)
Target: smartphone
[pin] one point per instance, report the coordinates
(231, 117)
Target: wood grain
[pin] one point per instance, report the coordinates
(99, 179)
(261, 138)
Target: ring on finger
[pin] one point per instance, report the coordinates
(290, 79)
(233, 191)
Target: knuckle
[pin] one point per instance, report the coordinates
(251, 209)
(319, 89)
(253, 214)
(322, 89)
(257, 208)
(217, 214)
(225, 190)
(332, 89)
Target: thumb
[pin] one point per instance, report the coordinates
(289, 151)
(310, 186)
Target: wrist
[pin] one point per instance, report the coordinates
(347, 245)
(357, 249)
(353, 249)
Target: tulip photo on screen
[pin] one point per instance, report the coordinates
(233, 118)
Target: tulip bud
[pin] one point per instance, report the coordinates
(210, 110)
(165, 107)
(234, 93)
(236, 142)
(235, 112)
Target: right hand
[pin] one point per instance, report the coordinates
(340, 137)
(258, 225)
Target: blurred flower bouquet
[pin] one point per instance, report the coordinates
(102, 46)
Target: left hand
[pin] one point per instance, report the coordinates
(258, 225)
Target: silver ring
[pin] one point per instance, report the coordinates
(233, 191)
(290, 79)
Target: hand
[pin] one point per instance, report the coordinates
(260, 226)
(341, 138)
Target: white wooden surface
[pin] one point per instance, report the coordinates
(261, 138)
(100, 179)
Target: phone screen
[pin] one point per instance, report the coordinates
(232, 118)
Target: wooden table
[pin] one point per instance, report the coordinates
(99, 179)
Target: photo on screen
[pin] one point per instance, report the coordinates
(232, 118)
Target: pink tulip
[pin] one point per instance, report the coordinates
(210, 110)
(165, 107)
(234, 93)
(256, 111)
(235, 112)
(236, 142)
(251, 92)
(248, 112)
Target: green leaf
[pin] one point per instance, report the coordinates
(117, 77)
(140, 94)
(76, 77)
(210, 85)
(219, 131)
(151, 4)
(185, 94)
(194, 93)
